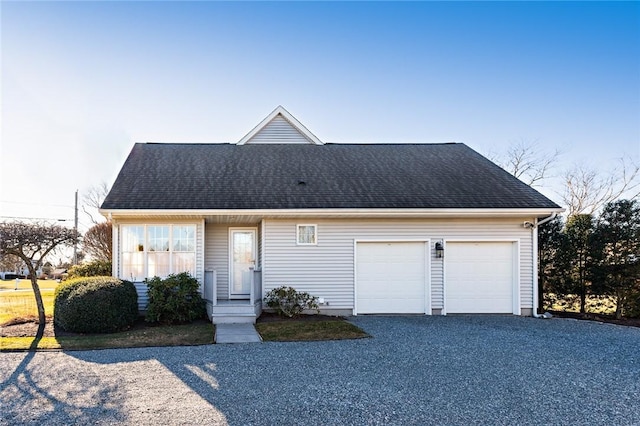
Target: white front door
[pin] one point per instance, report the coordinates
(242, 260)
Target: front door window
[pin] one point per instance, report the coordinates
(242, 261)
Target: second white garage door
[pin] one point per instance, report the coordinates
(390, 277)
(479, 277)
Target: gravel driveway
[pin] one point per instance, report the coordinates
(415, 370)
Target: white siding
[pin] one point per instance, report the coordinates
(278, 130)
(259, 248)
(526, 269)
(216, 254)
(327, 270)
(143, 298)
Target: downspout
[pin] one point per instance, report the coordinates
(534, 235)
(546, 219)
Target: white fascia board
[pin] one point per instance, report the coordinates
(363, 213)
(287, 116)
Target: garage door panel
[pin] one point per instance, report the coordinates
(479, 277)
(390, 306)
(390, 277)
(472, 306)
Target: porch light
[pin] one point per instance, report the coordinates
(439, 249)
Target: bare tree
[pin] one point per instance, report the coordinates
(98, 241)
(587, 190)
(92, 199)
(528, 162)
(32, 243)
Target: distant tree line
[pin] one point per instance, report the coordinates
(589, 258)
(593, 256)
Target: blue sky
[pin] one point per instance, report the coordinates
(83, 81)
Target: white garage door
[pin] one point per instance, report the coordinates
(390, 278)
(479, 277)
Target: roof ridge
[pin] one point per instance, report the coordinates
(325, 143)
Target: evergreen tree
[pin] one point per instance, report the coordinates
(550, 243)
(576, 257)
(616, 268)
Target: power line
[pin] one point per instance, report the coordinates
(36, 218)
(35, 204)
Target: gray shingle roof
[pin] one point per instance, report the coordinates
(221, 176)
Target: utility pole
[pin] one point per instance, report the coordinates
(75, 227)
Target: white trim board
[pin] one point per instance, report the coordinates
(230, 257)
(338, 213)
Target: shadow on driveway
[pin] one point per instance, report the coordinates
(415, 370)
(37, 392)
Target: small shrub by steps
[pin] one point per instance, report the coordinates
(174, 300)
(289, 302)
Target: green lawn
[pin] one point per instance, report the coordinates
(22, 303)
(26, 284)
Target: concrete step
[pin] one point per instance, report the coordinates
(231, 312)
(233, 318)
(233, 309)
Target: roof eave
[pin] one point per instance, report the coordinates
(347, 213)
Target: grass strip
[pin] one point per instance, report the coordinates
(25, 284)
(20, 304)
(299, 330)
(162, 335)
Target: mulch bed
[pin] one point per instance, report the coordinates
(630, 322)
(29, 328)
(273, 317)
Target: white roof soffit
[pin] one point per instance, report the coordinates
(287, 116)
(346, 213)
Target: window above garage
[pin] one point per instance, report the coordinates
(306, 235)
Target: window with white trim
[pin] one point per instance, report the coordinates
(306, 235)
(133, 258)
(158, 255)
(157, 250)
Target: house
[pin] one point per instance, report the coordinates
(368, 228)
(19, 270)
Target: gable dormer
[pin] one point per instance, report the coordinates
(280, 127)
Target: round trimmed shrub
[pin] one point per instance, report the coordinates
(95, 305)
